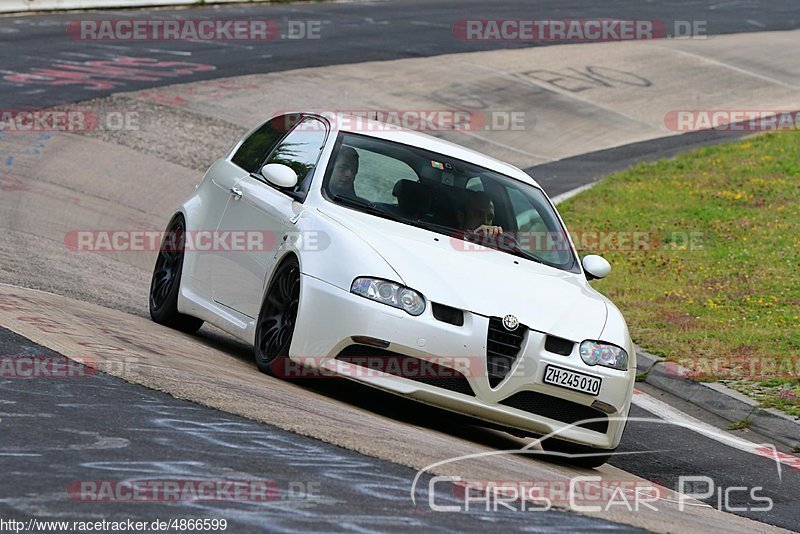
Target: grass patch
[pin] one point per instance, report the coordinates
(714, 285)
(739, 425)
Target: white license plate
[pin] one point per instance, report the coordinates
(558, 376)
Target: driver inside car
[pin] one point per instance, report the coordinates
(344, 173)
(478, 215)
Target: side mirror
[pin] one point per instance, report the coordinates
(279, 175)
(595, 266)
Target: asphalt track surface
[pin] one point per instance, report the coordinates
(357, 32)
(42, 66)
(352, 32)
(135, 434)
(568, 174)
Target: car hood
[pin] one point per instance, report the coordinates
(481, 280)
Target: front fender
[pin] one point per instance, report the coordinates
(331, 252)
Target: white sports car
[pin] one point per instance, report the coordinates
(407, 263)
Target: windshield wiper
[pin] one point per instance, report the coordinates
(501, 244)
(441, 228)
(525, 255)
(367, 207)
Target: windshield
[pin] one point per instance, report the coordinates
(470, 204)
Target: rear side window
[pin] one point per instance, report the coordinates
(257, 147)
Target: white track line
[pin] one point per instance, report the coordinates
(731, 67)
(572, 192)
(670, 413)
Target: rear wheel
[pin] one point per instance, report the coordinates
(276, 321)
(166, 281)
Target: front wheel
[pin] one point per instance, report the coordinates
(166, 281)
(276, 321)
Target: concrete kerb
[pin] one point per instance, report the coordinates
(718, 399)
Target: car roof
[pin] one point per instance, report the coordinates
(343, 122)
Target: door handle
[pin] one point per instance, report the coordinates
(237, 193)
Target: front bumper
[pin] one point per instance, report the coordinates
(328, 317)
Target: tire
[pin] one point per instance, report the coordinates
(276, 320)
(577, 455)
(166, 281)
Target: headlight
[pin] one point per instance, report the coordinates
(605, 354)
(389, 293)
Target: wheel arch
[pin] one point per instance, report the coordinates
(287, 255)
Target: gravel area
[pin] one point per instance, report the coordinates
(176, 135)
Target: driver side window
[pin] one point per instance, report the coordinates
(260, 143)
(301, 149)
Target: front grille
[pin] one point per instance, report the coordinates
(502, 349)
(558, 409)
(409, 367)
